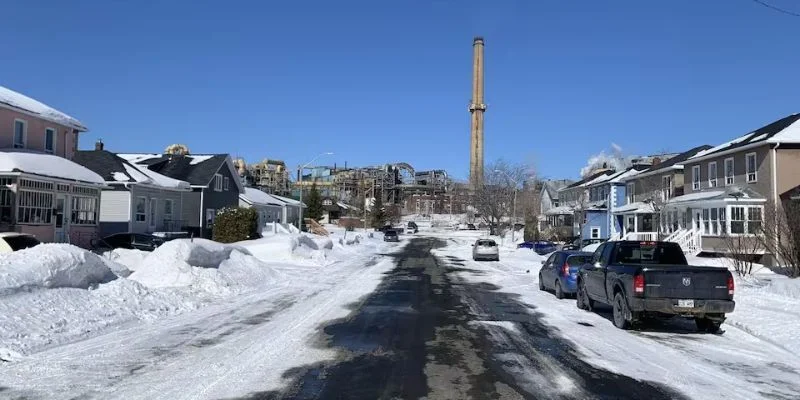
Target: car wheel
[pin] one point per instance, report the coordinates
(541, 283)
(583, 300)
(707, 325)
(559, 291)
(620, 306)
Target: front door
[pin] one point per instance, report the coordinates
(630, 224)
(61, 218)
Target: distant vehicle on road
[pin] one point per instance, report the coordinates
(15, 241)
(412, 227)
(642, 278)
(127, 240)
(471, 227)
(390, 235)
(579, 243)
(559, 272)
(485, 249)
(540, 247)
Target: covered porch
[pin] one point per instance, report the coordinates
(637, 221)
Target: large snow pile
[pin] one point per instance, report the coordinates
(130, 258)
(201, 265)
(52, 266)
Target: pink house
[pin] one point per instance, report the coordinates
(42, 191)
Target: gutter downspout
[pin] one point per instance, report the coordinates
(202, 192)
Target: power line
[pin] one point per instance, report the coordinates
(776, 8)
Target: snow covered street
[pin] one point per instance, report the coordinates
(302, 317)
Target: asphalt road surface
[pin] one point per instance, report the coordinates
(424, 333)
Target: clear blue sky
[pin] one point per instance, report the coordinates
(384, 81)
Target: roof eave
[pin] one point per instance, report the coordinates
(77, 127)
(721, 153)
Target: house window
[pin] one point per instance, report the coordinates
(210, 216)
(168, 203)
(729, 172)
(712, 174)
(706, 222)
(752, 169)
(630, 196)
(49, 140)
(603, 193)
(737, 219)
(218, 182)
(714, 219)
(754, 220)
(6, 200)
(696, 177)
(328, 202)
(666, 187)
(723, 226)
(595, 232)
(153, 203)
(141, 209)
(34, 207)
(20, 133)
(84, 210)
(227, 183)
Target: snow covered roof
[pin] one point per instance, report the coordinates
(784, 130)
(730, 193)
(46, 165)
(624, 175)
(115, 169)
(639, 207)
(255, 196)
(14, 100)
(560, 210)
(286, 200)
(198, 169)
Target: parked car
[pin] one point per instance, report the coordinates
(579, 243)
(543, 247)
(525, 245)
(390, 235)
(412, 227)
(15, 241)
(127, 240)
(485, 249)
(559, 272)
(471, 227)
(642, 278)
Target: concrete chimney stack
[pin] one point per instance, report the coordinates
(476, 108)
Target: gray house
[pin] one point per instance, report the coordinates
(136, 199)
(269, 208)
(213, 179)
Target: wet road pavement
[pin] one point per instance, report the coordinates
(423, 333)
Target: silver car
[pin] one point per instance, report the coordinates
(485, 249)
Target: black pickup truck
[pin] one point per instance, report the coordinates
(642, 278)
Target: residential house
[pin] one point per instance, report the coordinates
(554, 219)
(729, 185)
(332, 210)
(136, 199)
(269, 208)
(290, 210)
(646, 194)
(574, 204)
(213, 179)
(42, 192)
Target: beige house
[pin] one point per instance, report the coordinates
(727, 187)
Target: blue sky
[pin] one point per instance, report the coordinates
(381, 81)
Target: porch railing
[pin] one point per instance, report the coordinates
(641, 236)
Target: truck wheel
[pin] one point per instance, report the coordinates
(541, 283)
(559, 291)
(621, 312)
(707, 325)
(583, 300)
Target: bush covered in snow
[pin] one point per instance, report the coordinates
(53, 266)
(235, 224)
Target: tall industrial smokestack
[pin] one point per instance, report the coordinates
(476, 109)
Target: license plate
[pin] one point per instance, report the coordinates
(686, 303)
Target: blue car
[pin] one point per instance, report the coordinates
(560, 272)
(540, 247)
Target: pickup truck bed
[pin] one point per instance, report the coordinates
(641, 278)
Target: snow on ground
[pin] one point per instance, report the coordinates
(229, 346)
(756, 357)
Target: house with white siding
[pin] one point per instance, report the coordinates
(136, 199)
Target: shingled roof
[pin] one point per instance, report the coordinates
(198, 170)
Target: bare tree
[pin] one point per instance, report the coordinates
(743, 251)
(781, 236)
(494, 200)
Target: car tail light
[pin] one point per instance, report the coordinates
(565, 270)
(730, 285)
(638, 284)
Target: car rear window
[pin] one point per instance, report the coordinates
(658, 253)
(487, 243)
(578, 260)
(21, 242)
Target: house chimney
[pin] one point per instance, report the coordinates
(656, 160)
(98, 145)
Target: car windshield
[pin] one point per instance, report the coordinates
(487, 243)
(662, 253)
(20, 242)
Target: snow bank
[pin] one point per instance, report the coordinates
(126, 257)
(52, 266)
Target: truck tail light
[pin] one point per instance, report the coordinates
(565, 269)
(638, 284)
(730, 285)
